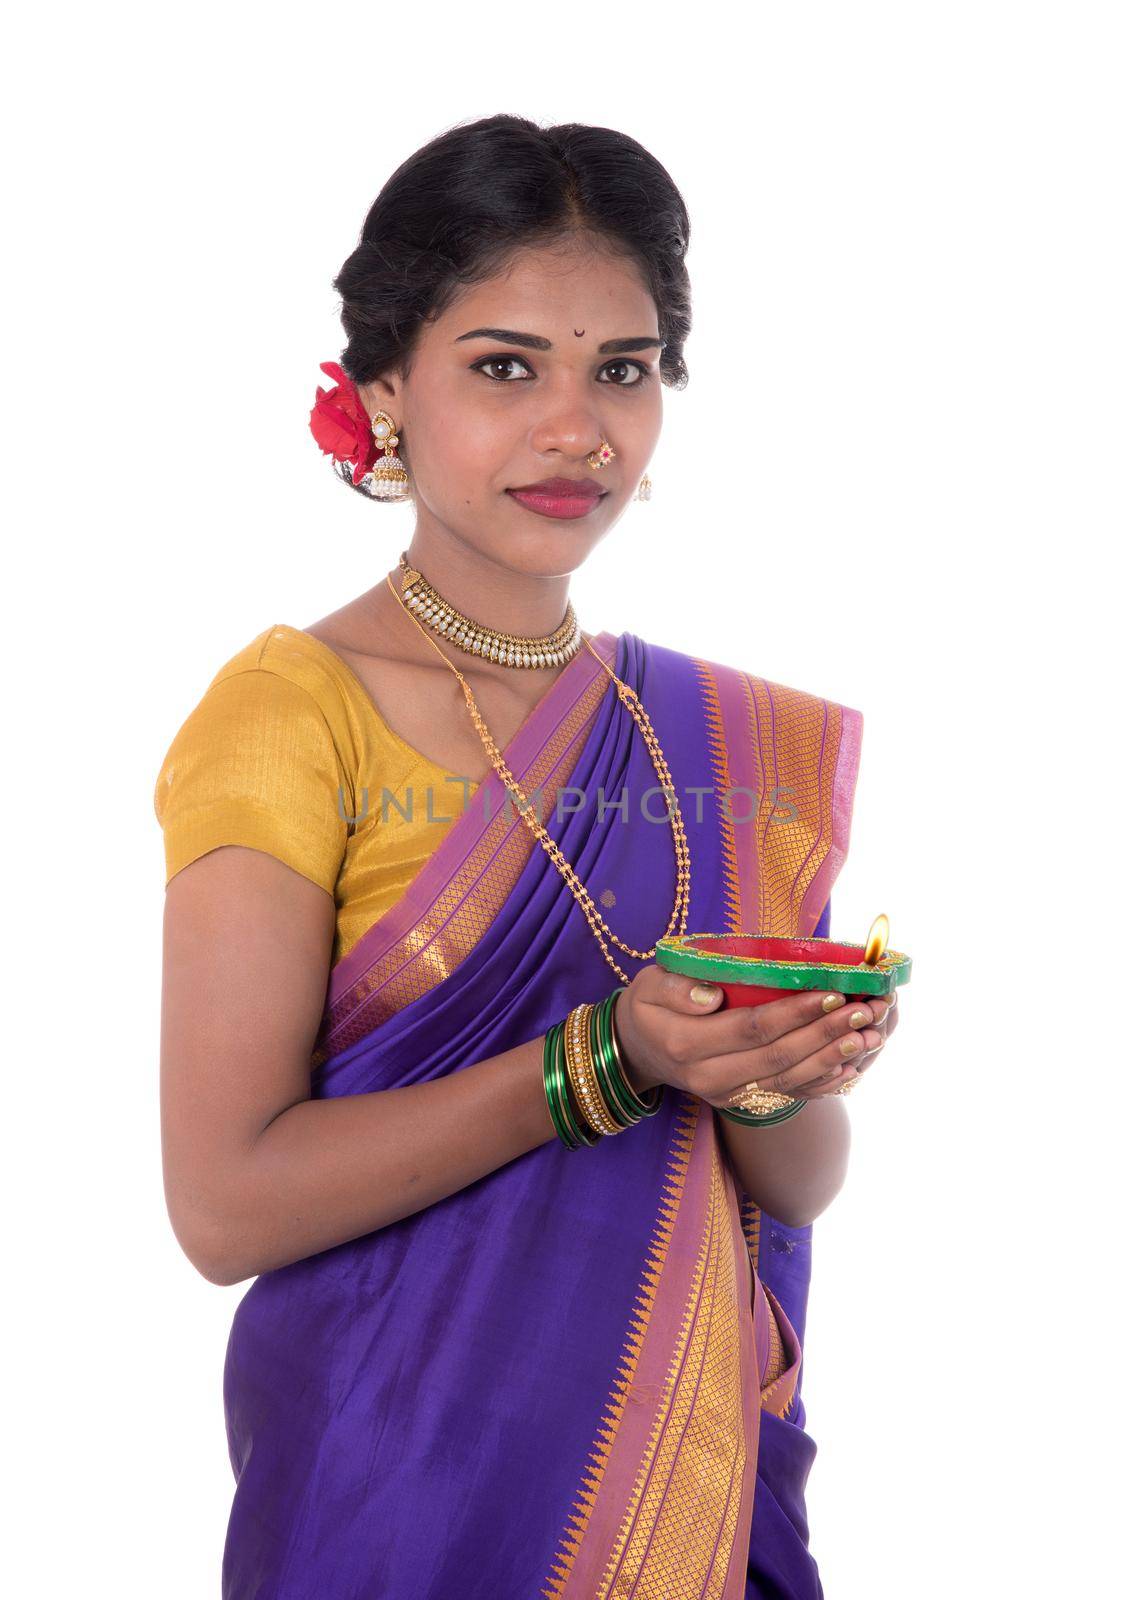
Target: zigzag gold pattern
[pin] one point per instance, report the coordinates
(796, 740)
(780, 1385)
(722, 780)
(696, 1456)
(750, 1215)
(691, 1474)
(795, 745)
(750, 1224)
(681, 1146)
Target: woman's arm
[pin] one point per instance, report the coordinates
(258, 1174)
(794, 1168)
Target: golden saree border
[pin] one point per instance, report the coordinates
(780, 1383)
(792, 757)
(676, 1444)
(798, 755)
(709, 1349)
(777, 1348)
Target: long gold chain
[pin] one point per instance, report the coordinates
(678, 919)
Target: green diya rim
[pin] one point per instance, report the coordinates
(678, 953)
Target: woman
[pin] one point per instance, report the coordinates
(508, 1336)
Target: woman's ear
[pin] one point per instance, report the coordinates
(384, 394)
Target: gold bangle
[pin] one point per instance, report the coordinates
(581, 1071)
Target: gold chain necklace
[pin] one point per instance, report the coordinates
(679, 916)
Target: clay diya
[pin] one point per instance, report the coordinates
(753, 970)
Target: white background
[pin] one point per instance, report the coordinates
(896, 479)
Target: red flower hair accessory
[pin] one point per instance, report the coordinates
(341, 425)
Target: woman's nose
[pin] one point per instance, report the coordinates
(574, 430)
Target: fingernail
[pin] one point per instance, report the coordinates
(850, 1045)
(703, 994)
(832, 1001)
(860, 1018)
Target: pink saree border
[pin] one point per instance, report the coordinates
(599, 1556)
(844, 789)
(741, 714)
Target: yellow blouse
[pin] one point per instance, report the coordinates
(287, 753)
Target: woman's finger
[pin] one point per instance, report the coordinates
(731, 1028)
(776, 1027)
(784, 1063)
(861, 1062)
(886, 1029)
(781, 1046)
(781, 1069)
(830, 1080)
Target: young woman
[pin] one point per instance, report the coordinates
(529, 1293)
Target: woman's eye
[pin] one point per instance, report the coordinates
(499, 361)
(642, 373)
(508, 362)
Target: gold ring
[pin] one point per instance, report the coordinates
(752, 1098)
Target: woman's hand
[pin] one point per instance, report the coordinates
(790, 1046)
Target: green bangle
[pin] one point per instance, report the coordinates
(638, 1106)
(764, 1119)
(569, 1126)
(551, 1091)
(620, 1097)
(625, 1106)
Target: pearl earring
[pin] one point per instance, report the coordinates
(388, 478)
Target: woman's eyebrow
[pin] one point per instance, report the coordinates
(534, 341)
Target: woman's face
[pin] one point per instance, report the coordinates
(484, 414)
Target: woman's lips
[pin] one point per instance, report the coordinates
(554, 503)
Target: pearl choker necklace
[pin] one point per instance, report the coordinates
(509, 650)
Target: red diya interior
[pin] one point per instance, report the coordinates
(817, 952)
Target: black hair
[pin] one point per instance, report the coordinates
(459, 207)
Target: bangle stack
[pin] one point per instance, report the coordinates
(585, 1081)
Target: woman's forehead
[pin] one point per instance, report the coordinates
(542, 296)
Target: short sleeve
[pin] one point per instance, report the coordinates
(255, 764)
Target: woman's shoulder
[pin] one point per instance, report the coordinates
(289, 675)
(261, 759)
(284, 652)
(273, 704)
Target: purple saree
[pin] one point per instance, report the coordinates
(578, 1378)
